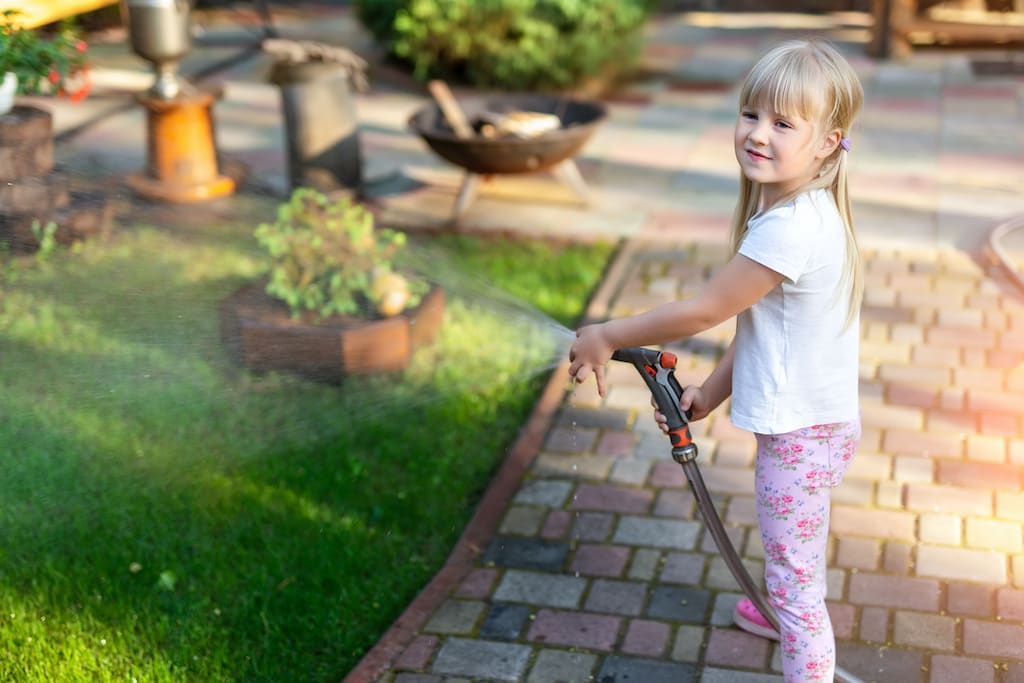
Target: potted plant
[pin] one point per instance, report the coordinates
(335, 300)
(30, 63)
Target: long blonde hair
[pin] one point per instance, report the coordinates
(812, 80)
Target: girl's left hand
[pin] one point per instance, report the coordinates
(591, 351)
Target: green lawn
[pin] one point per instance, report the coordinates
(166, 516)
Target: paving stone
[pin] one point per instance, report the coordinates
(592, 526)
(526, 553)
(898, 558)
(879, 663)
(618, 444)
(993, 639)
(606, 498)
(724, 606)
(522, 520)
(950, 499)
(857, 521)
(874, 624)
(969, 599)
(616, 597)
(984, 566)
(477, 584)
(482, 659)
(940, 528)
(688, 643)
(676, 604)
(861, 553)
(645, 564)
(418, 653)
(735, 534)
(571, 439)
(672, 503)
(540, 589)
(1010, 604)
(733, 647)
(570, 416)
(417, 678)
(984, 475)
(658, 533)
(629, 670)
(632, 471)
(504, 622)
(685, 568)
(559, 666)
(995, 534)
(930, 631)
(455, 616)
(843, 619)
(894, 591)
(556, 525)
(719, 576)
(715, 675)
(548, 492)
(575, 629)
(599, 560)
(590, 467)
(645, 638)
(950, 669)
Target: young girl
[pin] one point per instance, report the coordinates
(794, 285)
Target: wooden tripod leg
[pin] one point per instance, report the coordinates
(467, 193)
(569, 175)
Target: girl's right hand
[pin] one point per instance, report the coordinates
(693, 399)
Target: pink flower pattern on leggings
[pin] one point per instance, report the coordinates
(795, 475)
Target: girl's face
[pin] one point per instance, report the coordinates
(781, 153)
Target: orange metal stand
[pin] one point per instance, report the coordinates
(182, 163)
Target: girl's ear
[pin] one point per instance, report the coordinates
(829, 143)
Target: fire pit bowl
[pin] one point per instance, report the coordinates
(508, 154)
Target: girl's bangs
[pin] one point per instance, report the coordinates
(790, 86)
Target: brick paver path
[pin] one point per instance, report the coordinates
(601, 568)
(595, 565)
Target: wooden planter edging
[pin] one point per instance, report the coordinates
(31, 189)
(263, 336)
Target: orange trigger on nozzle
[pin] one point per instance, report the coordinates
(668, 360)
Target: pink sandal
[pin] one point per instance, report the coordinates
(750, 620)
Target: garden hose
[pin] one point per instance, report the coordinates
(657, 368)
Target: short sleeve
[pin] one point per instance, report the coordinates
(781, 239)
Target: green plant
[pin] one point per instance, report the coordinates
(46, 236)
(510, 44)
(56, 64)
(327, 257)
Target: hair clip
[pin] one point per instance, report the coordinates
(845, 144)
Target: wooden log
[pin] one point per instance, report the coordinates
(35, 195)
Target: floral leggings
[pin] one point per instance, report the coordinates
(795, 474)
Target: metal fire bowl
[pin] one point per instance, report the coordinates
(485, 156)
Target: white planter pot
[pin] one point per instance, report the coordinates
(8, 86)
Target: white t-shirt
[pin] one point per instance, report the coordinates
(796, 362)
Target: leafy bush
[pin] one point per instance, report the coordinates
(42, 64)
(327, 257)
(509, 44)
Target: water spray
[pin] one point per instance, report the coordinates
(657, 368)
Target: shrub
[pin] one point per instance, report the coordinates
(42, 64)
(327, 257)
(510, 44)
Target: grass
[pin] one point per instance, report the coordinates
(166, 516)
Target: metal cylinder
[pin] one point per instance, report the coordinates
(160, 33)
(322, 131)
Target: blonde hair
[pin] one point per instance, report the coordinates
(812, 80)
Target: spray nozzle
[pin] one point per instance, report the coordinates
(657, 368)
